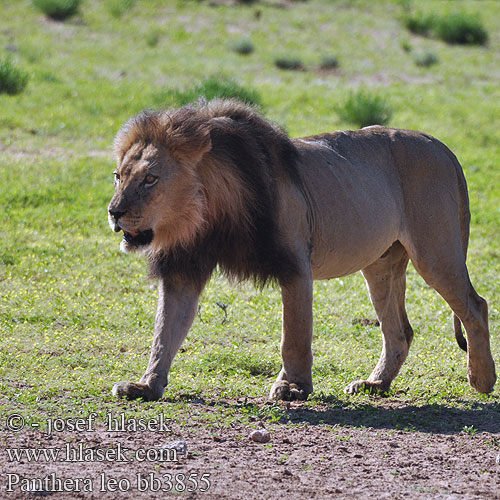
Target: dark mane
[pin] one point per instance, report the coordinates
(249, 148)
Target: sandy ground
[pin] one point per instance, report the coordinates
(310, 456)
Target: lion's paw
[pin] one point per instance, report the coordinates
(377, 387)
(131, 390)
(483, 381)
(283, 391)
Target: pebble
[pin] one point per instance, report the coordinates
(260, 436)
(180, 446)
(498, 459)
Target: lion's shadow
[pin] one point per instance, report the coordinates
(431, 418)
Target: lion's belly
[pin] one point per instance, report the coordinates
(334, 264)
(354, 236)
(359, 218)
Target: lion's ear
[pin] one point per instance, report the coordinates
(201, 144)
(188, 141)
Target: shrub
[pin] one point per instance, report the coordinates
(153, 38)
(288, 62)
(58, 9)
(12, 79)
(459, 28)
(419, 23)
(210, 88)
(406, 46)
(364, 109)
(329, 62)
(243, 46)
(118, 7)
(462, 29)
(425, 59)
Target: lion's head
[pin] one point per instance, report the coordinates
(196, 187)
(158, 200)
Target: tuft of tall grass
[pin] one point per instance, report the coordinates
(119, 7)
(419, 23)
(288, 62)
(461, 28)
(210, 88)
(13, 80)
(58, 9)
(454, 28)
(364, 108)
(153, 37)
(406, 46)
(329, 62)
(426, 58)
(243, 46)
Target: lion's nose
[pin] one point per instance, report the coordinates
(116, 214)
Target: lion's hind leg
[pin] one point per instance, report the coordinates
(444, 269)
(386, 280)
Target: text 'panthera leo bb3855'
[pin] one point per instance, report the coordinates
(215, 184)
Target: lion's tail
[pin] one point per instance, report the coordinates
(464, 213)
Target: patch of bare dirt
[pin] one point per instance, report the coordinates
(306, 457)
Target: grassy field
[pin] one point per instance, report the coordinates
(76, 315)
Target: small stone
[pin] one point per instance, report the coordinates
(180, 446)
(498, 459)
(260, 436)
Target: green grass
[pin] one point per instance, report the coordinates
(462, 29)
(365, 108)
(209, 88)
(13, 80)
(288, 62)
(330, 61)
(58, 9)
(420, 23)
(117, 8)
(77, 315)
(453, 28)
(243, 46)
(426, 58)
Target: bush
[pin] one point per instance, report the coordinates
(329, 62)
(288, 62)
(153, 37)
(364, 109)
(419, 23)
(426, 59)
(210, 88)
(461, 29)
(118, 7)
(12, 80)
(243, 46)
(58, 9)
(456, 28)
(406, 46)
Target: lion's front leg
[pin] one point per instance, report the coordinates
(177, 306)
(295, 378)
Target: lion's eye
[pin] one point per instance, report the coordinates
(117, 177)
(150, 179)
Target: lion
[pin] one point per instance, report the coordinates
(214, 184)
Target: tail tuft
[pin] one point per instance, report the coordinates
(459, 334)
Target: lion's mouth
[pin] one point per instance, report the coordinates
(138, 239)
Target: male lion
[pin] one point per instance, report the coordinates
(216, 184)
